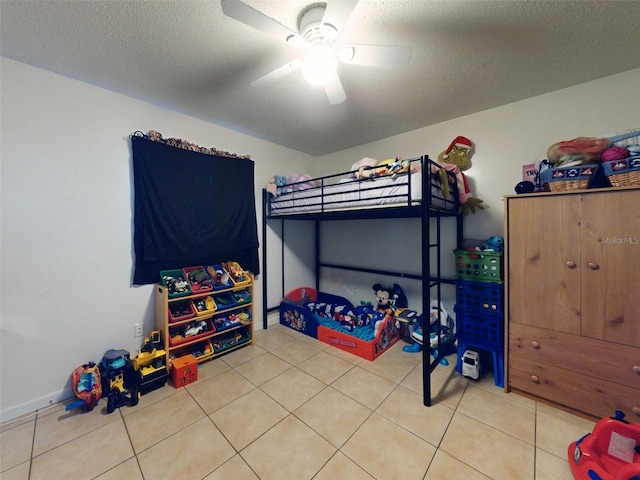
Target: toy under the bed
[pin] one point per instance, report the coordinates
(335, 321)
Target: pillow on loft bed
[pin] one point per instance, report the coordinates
(363, 162)
(301, 181)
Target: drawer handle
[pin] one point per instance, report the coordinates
(636, 411)
(536, 346)
(636, 368)
(570, 264)
(593, 266)
(535, 379)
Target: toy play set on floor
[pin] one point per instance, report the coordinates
(610, 452)
(334, 320)
(366, 330)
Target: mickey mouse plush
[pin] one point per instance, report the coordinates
(383, 297)
(389, 297)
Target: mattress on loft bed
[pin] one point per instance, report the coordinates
(355, 194)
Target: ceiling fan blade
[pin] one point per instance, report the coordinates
(334, 90)
(337, 13)
(381, 56)
(250, 16)
(277, 73)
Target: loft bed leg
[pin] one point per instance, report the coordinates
(282, 286)
(426, 281)
(264, 258)
(317, 264)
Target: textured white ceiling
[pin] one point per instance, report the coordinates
(186, 56)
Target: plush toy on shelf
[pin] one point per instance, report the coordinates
(456, 159)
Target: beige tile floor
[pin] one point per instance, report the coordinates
(290, 407)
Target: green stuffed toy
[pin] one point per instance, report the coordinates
(455, 159)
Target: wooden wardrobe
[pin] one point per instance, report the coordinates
(572, 263)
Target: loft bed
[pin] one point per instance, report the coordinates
(415, 193)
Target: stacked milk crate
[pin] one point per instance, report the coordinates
(479, 308)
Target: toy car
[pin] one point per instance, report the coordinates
(195, 328)
(610, 452)
(150, 364)
(119, 383)
(471, 364)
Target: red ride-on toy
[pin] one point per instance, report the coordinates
(610, 452)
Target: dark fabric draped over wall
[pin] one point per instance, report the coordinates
(191, 209)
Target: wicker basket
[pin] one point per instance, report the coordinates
(563, 179)
(623, 173)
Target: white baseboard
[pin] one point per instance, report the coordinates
(36, 405)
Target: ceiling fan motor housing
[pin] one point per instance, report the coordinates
(311, 28)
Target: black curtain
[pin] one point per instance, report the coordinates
(191, 208)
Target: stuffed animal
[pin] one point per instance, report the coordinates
(277, 185)
(494, 244)
(383, 297)
(301, 181)
(390, 166)
(458, 154)
(369, 172)
(399, 299)
(394, 166)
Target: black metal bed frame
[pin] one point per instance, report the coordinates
(424, 209)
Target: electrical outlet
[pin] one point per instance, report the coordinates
(137, 330)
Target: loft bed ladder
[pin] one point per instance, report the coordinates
(430, 280)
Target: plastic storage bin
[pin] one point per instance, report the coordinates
(220, 277)
(176, 283)
(199, 279)
(204, 306)
(479, 266)
(480, 328)
(179, 311)
(483, 297)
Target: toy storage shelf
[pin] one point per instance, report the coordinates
(218, 339)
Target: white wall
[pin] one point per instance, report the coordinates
(67, 225)
(506, 138)
(66, 200)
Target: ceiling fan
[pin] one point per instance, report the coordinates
(319, 26)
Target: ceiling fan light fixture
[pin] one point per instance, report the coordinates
(319, 64)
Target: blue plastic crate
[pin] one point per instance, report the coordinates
(482, 297)
(481, 329)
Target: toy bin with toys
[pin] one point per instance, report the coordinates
(198, 279)
(219, 276)
(176, 283)
(238, 276)
(179, 311)
(334, 320)
(204, 305)
(189, 332)
(478, 265)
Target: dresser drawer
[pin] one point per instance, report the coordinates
(586, 357)
(579, 391)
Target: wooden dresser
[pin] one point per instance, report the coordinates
(572, 270)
